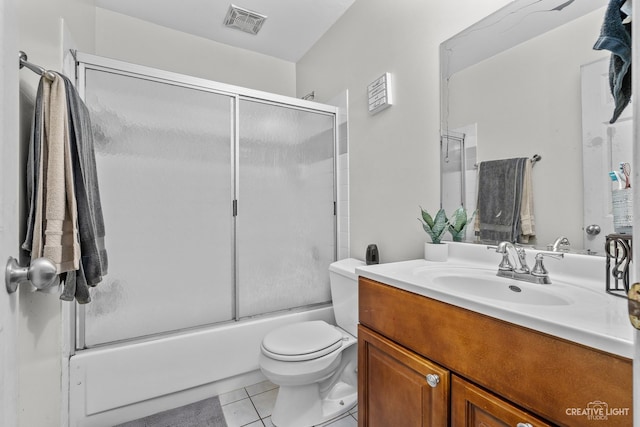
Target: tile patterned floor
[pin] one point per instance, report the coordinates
(251, 407)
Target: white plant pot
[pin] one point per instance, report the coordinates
(436, 252)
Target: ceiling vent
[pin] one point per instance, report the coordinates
(244, 20)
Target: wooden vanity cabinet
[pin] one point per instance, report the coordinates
(492, 373)
(393, 389)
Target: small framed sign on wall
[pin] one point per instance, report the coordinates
(380, 94)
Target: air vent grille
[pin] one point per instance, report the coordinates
(244, 19)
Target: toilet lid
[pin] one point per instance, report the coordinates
(302, 341)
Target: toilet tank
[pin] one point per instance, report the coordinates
(344, 293)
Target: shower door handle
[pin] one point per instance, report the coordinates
(41, 273)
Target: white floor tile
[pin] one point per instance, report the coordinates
(354, 412)
(260, 387)
(346, 421)
(233, 396)
(256, 410)
(240, 413)
(264, 402)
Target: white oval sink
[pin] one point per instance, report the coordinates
(502, 289)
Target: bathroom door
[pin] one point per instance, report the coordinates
(8, 207)
(604, 146)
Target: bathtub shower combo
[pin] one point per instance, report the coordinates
(220, 209)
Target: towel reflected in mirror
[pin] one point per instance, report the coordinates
(505, 201)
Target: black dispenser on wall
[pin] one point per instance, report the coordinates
(372, 256)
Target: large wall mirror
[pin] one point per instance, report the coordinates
(514, 85)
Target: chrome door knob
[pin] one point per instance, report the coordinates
(593, 229)
(41, 273)
(433, 379)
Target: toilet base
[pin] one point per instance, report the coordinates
(293, 408)
(314, 391)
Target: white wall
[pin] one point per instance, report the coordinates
(39, 334)
(394, 155)
(41, 32)
(8, 209)
(140, 42)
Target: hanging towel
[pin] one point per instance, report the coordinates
(615, 36)
(94, 262)
(500, 199)
(59, 214)
(34, 172)
(527, 220)
(90, 233)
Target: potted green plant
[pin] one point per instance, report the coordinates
(458, 224)
(435, 227)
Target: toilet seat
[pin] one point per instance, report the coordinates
(302, 341)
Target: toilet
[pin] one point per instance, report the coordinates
(315, 363)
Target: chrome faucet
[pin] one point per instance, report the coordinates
(518, 269)
(520, 258)
(561, 243)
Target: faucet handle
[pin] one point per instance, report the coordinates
(505, 264)
(539, 270)
(551, 254)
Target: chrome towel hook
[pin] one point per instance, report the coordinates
(41, 273)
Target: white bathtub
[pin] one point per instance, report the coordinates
(123, 382)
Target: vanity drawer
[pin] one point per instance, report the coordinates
(551, 377)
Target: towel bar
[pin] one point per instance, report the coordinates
(35, 68)
(534, 159)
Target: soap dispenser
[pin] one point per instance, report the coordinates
(372, 256)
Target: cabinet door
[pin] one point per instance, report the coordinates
(472, 406)
(393, 389)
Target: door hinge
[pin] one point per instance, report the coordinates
(235, 207)
(335, 208)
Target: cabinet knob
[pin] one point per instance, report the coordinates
(524, 425)
(433, 379)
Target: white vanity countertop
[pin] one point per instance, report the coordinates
(594, 318)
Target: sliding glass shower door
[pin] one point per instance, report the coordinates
(163, 155)
(218, 205)
(286, 236)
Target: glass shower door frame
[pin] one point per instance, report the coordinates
(247, 289)
(84, 62)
